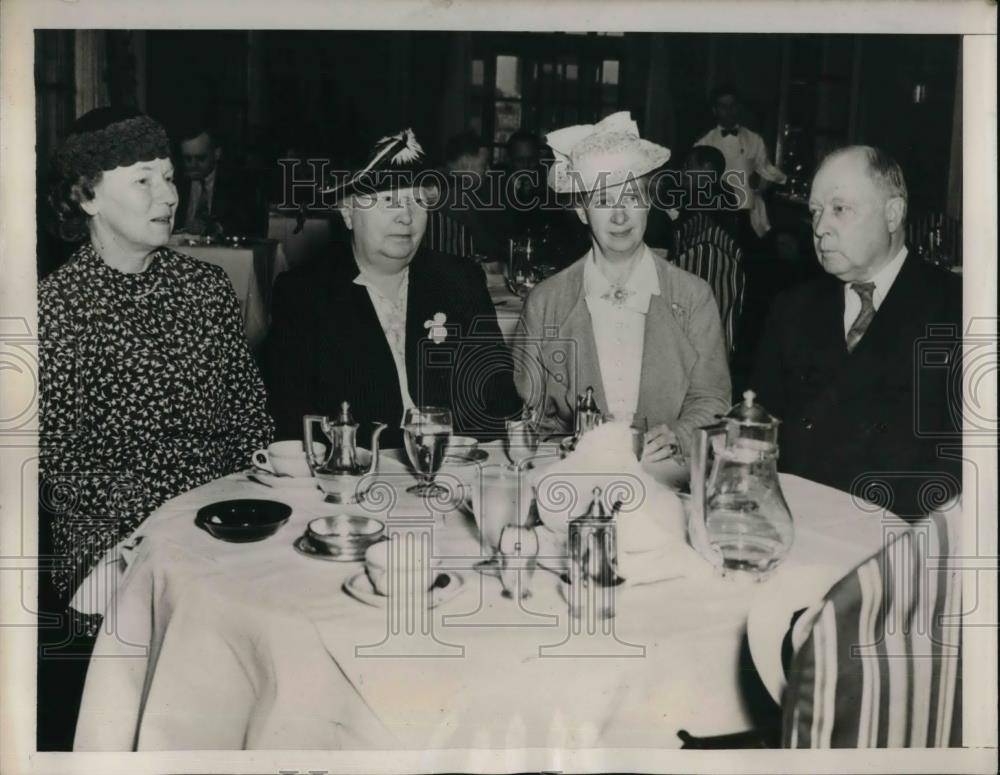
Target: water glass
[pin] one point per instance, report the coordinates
(522, 441)
(518, 557)
(498, 501)
(426, 432)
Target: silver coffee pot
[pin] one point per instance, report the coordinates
(342, 475)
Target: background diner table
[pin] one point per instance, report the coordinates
(301, 244)
(252, 268)
(213, 645)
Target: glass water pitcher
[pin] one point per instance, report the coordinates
(735, 490)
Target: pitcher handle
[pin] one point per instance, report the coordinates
(700, 456)
(307, 435)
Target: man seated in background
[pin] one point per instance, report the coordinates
(215, 198)
(700, 209)
(469, 221)
(384, 323)
(840, 360)
(558, 238)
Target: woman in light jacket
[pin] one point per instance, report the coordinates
(643, 333)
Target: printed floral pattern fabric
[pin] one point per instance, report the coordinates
(148, 389)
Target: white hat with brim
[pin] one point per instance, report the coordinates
(589, 157)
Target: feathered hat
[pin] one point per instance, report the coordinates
(397, 161)
(590, 156)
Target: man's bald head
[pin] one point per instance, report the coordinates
(881, 167)
(858, 208)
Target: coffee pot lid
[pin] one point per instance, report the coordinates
(749, 412)
(345, 417)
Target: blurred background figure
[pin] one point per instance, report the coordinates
(215, 198)
(468, 222)
(533, 211)
(745, 154)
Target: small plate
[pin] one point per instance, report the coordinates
(304, 546)
(360, 588)
(273, 480)
(465, 457)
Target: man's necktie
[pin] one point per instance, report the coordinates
(864, 318)
(201, 211)
(728, 132)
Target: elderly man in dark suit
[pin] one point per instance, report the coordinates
(840, 360)
(387, 324)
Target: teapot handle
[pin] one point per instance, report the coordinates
(307, 435)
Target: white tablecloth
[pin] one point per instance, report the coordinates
(251, 269)
(210, 645)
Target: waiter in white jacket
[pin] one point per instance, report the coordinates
(746, 154)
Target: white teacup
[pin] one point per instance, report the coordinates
(286, 458)
(407, 577)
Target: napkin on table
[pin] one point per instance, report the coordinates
(650, 527)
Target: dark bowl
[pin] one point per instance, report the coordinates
(242, 521)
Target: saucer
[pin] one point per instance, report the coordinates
(359, 586)
(464, 457)
(304, 546)
(273, 480)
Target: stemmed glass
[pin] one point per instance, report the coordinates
(497, 501)
(426, 431)
(522, 440)
(521, 272)
(518, 559)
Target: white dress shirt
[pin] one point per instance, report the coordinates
(392, 317)
(883, 282)
(620, 328)
(208, 182)
(746, 153)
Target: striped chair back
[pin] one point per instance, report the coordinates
(880, 665)
(723, 271)
(445, 234)
(701, 227)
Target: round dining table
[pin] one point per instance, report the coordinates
(228, 646)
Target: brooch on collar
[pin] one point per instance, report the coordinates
(438, 333)
(618, 295)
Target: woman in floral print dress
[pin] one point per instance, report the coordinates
(148, 388)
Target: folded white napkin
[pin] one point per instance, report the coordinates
(650, 526)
